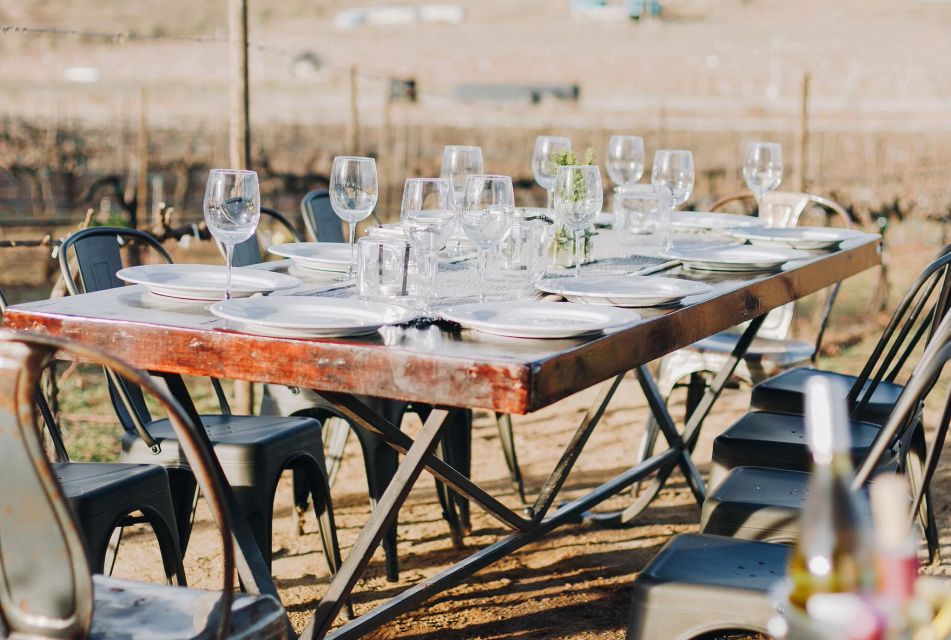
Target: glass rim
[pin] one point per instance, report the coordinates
(579, 166)
(660, 151)
(625, 135)
(488, 176)
(426, 179)
(553, 138)
(234, 171)
(462, 146)
(765, 143)
(355, 158)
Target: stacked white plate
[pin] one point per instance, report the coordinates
(624, 291)
(317, 256)
(737, 258)
(709, 221)
(204, 281)
(797, 237)
(309, 317)
(539, 319)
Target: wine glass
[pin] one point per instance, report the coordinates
(672, 179)
(543, 168)
(353, 193)
(625, 160)
(428, 220)
(458, 163)
(578, 196)
(763, 169)
(488, 211)
(232, 209)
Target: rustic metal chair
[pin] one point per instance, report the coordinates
(771, 351)
(103, 497)
(249, 251)
(253, 450)
(47, 590)
(703, 583)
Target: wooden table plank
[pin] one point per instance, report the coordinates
(427, 365)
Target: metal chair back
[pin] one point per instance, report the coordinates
(45, 581)
(98, 256)
(921, 311)
(249, 251)
(322, 223)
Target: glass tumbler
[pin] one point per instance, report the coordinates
(389, 269)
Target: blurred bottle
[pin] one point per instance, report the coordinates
(834, 550)
(896, 551)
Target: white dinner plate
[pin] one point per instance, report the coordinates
(322, 256)
(624, 291)
(797, 237)
(205, 281)
(308, 316)
(742, 257)
(707, 221)
(539, 319)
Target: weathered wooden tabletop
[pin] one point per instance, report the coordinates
(429, 364)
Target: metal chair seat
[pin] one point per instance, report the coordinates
(765, 356)
(253, 452)
(755, 503)
(699, 584)
(776, 441)
(102, 495)
(126, 609)
(784, 393)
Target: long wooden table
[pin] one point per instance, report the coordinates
(447, 369)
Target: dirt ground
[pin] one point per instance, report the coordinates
(574, 584)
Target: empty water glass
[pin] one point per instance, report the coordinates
(625, 160)
(428, 220)
(638, 204)
(578, 197)
(388, 269)
(525, 247)
(672, 180)
(232, 208)
(543, 168)
(458, 163)
(763, 169)
(489, 205)
(353, 193)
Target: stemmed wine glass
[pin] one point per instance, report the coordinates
(232, 209)
(543, 168)
(625, 160)
(763, 169)
(672, 179)
(458, 163)
(579, 197)
(488, 212)
(353, 193)
(428, 219)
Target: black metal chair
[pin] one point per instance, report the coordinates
(253, 450)
(777, 440)
(103, 497)
(784, 393)
(700, 583)
(47, 589)
(249, 251)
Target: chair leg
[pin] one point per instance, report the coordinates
(380, 462)
(112, 550)
(915, 471)
(696, 387)
(455, 448)
(301, 496)
(507, 439)
(184, 496)
(168, 545)
(323, 509)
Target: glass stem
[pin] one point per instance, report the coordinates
(229, 253)
(483, 259)
(353, 231)
(551, 197)
(579, 249)
(432, 266)
(667, 212)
